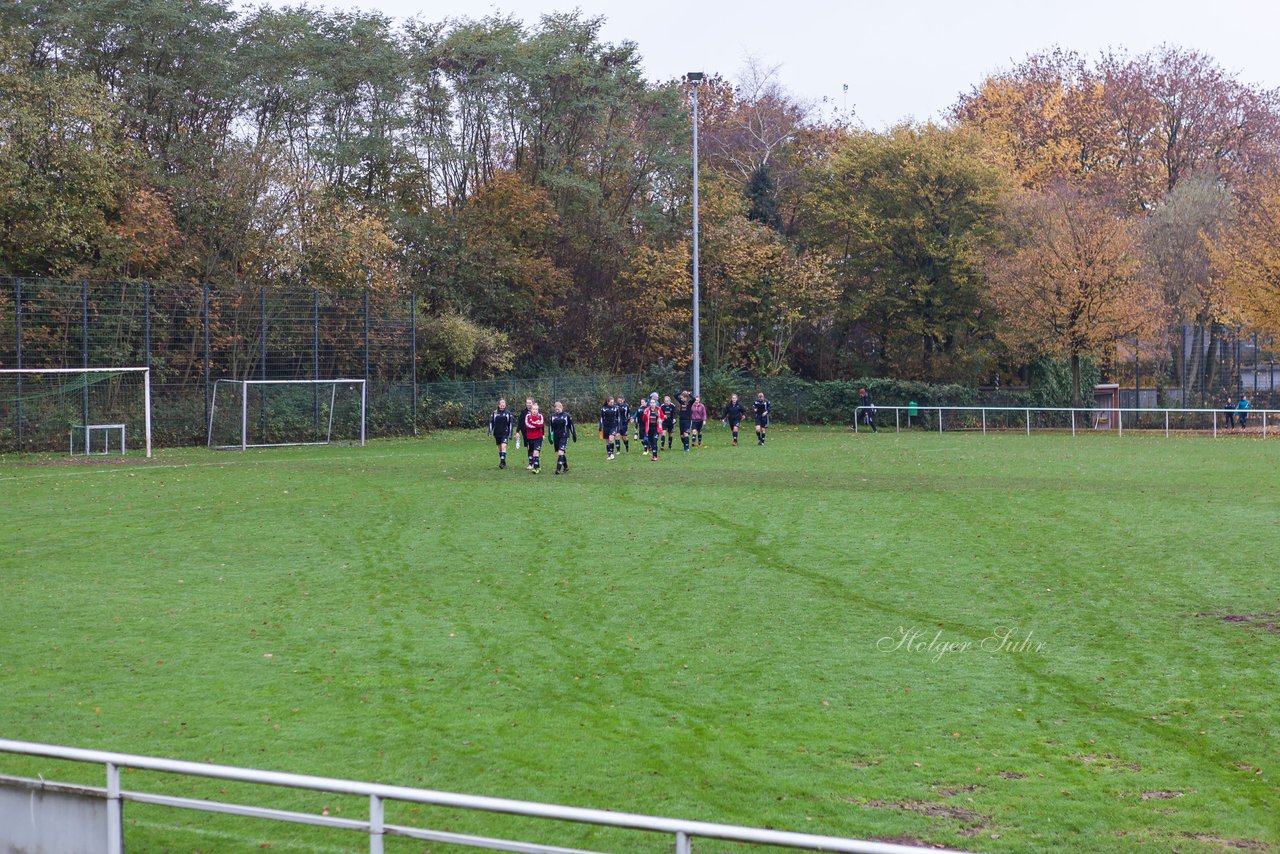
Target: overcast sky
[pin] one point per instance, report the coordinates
(899, 58)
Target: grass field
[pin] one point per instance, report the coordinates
(736, 634)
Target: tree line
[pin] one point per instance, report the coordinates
(532, 189)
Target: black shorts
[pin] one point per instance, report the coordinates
(733, 425)
(697, 426)
(501, 438)
(533, 444)
(762, 420)
(668, 425)
(685, 425)
(560, 442)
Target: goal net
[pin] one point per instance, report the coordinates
(275, 413)
(78, 410)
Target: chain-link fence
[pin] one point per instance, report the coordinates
(193, 335)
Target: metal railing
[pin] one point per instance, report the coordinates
(377, 828)
(1094, 418)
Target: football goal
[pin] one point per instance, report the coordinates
(276, 413)
(83, 410)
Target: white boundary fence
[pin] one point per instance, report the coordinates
(377, 829)
(146, 387)
(1089, 418)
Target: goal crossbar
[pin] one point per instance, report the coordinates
(146, 387)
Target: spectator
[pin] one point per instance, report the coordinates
(1242, 411)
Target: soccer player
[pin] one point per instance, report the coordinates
(609, 426)
(668, 422)
(686, 418)
(501, 425)
(562, 429)
(868, 409)
(699, 412)
(761, 407)
(733, 415)
(624, 424)
(651, 426)
(528, 407)
(534, 423)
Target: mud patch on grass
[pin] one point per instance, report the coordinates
(1106, 760)
(1268, 622)
(1160, 796)
(931, 810)
(952, 791)
(1229, 844)
(906, 840)
(1011, 775)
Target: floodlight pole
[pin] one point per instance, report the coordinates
(695, 77)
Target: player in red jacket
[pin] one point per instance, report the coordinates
(534, 425)
(651, 418)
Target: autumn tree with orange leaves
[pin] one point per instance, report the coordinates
(1246, 257)
(1066, 281)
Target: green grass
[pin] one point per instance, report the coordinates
(700, 638)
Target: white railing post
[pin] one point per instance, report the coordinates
(1073, 422)
(684, 845)
(1120, 421)
(1166, 424)
(1027, 413)
(1215, 423)
(115, 811)
(939, 419)
(897, 420)
(984, 421)
(376, 831)
(1264, 423)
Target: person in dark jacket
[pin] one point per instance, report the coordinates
(732, 415)
(501, 426)
(685, 413)
(668, 422)
(624, 424)
(761, 407)
(524, 430)
(609, 426)
(562, 430)
(867, 410)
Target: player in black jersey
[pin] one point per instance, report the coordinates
(685, 412)
(732, 415)
(501, 425)
(520, 427)
(562, 429)
(624, 425)
(668, 422)
(761, 407)
(608, 426)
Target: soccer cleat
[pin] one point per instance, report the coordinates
(610, 457)
(735, 443)
(502, 464)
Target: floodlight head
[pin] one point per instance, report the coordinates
(694, 76)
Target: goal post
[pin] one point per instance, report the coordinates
(247, 414)
(43, 409)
